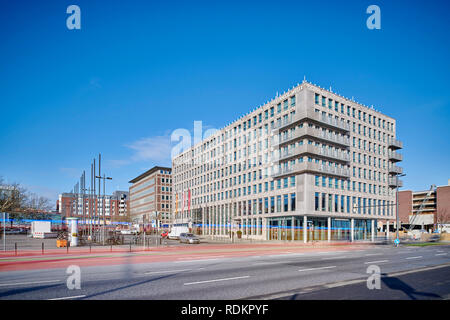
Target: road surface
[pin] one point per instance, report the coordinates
(289, 273)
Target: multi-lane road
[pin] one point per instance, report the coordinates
(407, 272)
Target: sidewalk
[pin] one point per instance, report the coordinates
(59, 258)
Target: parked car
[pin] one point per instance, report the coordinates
(416, 233)
(13, 231)
(175, 232)
(128, 231)
(189, 238)
(435, 238)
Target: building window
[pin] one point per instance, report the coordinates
(292, 201)
(316, 201)
(266, 205)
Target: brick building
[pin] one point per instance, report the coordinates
(435, 209)
(113, 207)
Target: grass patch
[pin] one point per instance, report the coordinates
(425, 244)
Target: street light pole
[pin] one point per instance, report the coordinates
(103, 200)
(396, 204)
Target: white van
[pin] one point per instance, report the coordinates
(176, 231)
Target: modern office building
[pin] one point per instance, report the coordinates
(151, 196)
(308, 165)
(425, 209)
(112, 207)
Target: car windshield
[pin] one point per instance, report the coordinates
(190, 235)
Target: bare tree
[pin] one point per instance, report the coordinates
(12, 197)
(21, 204)
(442, 216)
(37, 203)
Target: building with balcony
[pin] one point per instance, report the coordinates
(435, 208)
(151, 197)
(307, 165)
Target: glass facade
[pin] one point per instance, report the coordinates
(291, 228)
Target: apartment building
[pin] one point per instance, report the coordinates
(425, 209)
(151, 196)
(112, 207)
(308, 165)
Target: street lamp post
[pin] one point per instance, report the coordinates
(396, 204)
(104, 178)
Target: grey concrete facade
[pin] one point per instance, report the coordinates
(308, 165)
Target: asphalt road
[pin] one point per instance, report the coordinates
(314, 275)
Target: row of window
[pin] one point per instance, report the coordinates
(257, 188)
(346, 204)
(335, 183)
(207, 145)
(357, 114)
(368, 146)
(275, 204)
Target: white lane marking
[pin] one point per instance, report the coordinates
(216, 280)
(401, 273)
(379, 261)
(321, 268)
(167, 271)
(72, 297)
(25, 283)
(440, 254)
(418, 257)
(331, 258)
(265, 263)
(373, 254)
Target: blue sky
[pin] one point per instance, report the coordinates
(138, 70)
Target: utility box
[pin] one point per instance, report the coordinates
(42, 229)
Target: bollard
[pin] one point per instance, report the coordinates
(42, 248)
(130, 245)
(15, 248)
(67, 247)
(90, 247)
(111, 248)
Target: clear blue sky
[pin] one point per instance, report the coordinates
(137, 70)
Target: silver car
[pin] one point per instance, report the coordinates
(189, 238)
